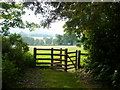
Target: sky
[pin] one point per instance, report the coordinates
(56, 28)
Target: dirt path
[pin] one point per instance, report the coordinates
(32, 79)
(48, 78)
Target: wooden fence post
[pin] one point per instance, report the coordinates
(61, 57)
(51, 56)
(66, 60)
(35, 53)
(35, 56)
(79, 54)
(76, 60)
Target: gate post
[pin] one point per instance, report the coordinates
(51, 56)
(76, 60)
(35, 55)
(61, 57)
(79, 54)
(66, 60)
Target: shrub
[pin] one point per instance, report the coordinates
(10, 74)
(16, 50)
(15, 58)
(26, 61)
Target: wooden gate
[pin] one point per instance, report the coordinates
(57, 58)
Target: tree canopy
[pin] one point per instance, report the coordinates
(97, 25)
(11, 15)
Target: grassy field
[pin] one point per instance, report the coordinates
(70, 48)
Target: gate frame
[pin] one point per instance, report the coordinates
(66, 56)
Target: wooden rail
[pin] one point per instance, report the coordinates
(64, 64)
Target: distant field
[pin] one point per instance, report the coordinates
(70, 48)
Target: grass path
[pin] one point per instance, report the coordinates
(48, 78)
(31, 79)
(57, 79)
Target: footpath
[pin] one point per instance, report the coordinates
(49, 78)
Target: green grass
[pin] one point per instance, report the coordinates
(70, 48)
(56, 79)
(49, 78)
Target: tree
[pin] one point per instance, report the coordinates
(15, 56)
(97, 27)
(41, 42)
(55, 41)
(48, 41)
(69, 39)
(11, 14)
(59, 39)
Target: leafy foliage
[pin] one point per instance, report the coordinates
(66, 39)
(11, 14)
(10, 74)
(97, 26)
(15, 59)
(15, 54)
(15, 50)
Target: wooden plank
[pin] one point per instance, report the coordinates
(60, 68)
(70, 67)
(43, 58)
(76, 60)
(51, 56)
(61, 56)
(70, 64)
(72, 56)
(55, 62)
(71, 52)
(35, 53)
(60, 64)
(58, 55)
(66, 59)
(84, 54)
(79, 53)
(72, 60)
(58, 59)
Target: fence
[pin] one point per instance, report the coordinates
(56, 60)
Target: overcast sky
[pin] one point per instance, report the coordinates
(56, 28)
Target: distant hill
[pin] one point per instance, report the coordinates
(23, 34)
(35, 34)
(40, 35)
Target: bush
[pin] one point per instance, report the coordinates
(10, 74)
(16, 50)
(27, 61)
(15, 58)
